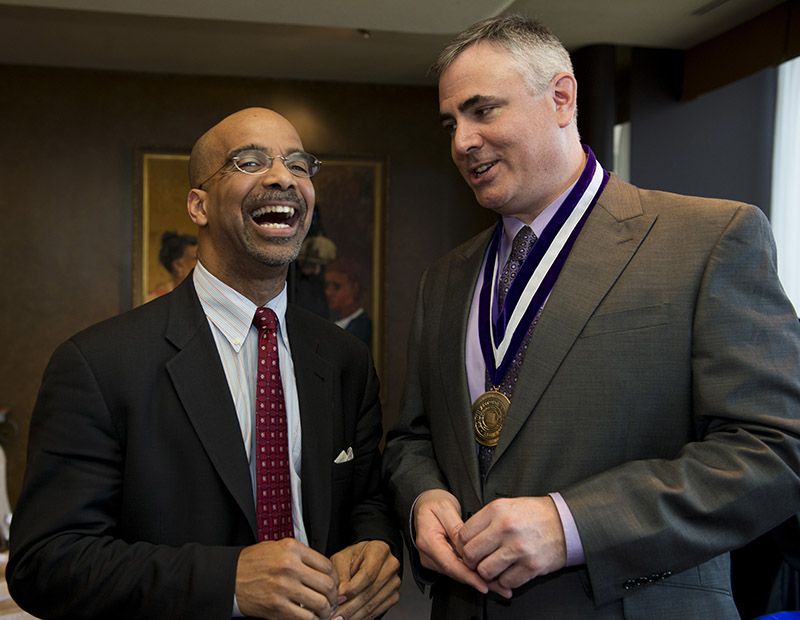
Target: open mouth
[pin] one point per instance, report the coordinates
(275, 216)
(479, 171)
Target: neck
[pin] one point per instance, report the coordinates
(260, 292)
(262, 284)
(348, 310)
(574, 162)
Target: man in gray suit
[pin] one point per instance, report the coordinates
(603, 391)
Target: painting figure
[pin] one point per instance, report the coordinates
(344, 283)
(178, 255)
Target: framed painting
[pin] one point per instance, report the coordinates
(340, 271)
(160, 207)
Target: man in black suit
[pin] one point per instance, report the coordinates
(138, 499)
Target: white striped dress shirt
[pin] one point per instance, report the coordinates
(230, 315)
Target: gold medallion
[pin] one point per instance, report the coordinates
(489, 413)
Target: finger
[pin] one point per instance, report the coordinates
(477, 537)
(436, 548)
(313, 599)
(342, 563)
(498, 589)
(273, 578)
(315, 560)
(454, 568)
(347, 563)
(515, 576)
(311, 605)
(379, 601)
(449, 519)
(319, 582)
(478, 522)
(373, 566)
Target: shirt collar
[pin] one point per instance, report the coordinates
(230, 311)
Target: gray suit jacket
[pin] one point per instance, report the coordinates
(137, 496)
(660, 396)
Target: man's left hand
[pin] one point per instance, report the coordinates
(511, 541)
(369, 582)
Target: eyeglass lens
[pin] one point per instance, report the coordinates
(257, 162)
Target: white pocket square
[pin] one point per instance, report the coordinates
(344, 456)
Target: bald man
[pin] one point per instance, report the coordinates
(139, 499)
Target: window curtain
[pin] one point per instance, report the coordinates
(785, 209)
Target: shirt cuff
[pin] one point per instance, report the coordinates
(411, 530)
(575, 554)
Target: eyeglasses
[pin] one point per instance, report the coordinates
(254, 162)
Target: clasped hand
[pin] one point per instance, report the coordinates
(502, 546)
(285, 579)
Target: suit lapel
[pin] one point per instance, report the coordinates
(314, 376)
(462, 278)
(611, 236)
(199, 380)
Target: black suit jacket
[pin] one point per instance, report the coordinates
(137, 496)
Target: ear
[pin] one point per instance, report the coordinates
(195, 204)
(565, 94)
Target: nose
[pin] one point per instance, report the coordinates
(278, 176)
(465, 139)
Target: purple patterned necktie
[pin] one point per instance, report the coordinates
(273, 482)
(520, 248)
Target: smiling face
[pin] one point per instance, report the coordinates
(250, 226)
(517, 151)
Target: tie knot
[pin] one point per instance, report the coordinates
(265, 319)
(522, 244)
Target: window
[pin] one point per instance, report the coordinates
(785, 209)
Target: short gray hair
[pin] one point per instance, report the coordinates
(536, 53)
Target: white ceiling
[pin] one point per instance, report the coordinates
(324, 39)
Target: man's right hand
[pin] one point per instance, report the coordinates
(285, 579)
(437, 521)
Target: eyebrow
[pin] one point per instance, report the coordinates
(471, 102)
(256, 147)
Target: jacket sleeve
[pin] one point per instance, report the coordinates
(731, 483)
(371, 517)
(68, 558)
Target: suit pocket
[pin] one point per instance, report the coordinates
(627, 320)
(343, 471)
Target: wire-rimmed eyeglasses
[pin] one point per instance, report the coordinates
(253, 161)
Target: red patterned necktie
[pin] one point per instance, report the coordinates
(273, 482)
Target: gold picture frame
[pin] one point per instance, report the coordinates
(161, 206)
(351, 200)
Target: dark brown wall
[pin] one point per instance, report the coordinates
(68, 141)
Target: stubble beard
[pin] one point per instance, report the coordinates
(279, 251)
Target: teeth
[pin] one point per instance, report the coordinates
(483, 168)
(284, 210)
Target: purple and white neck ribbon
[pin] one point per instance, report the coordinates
(503, 331)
